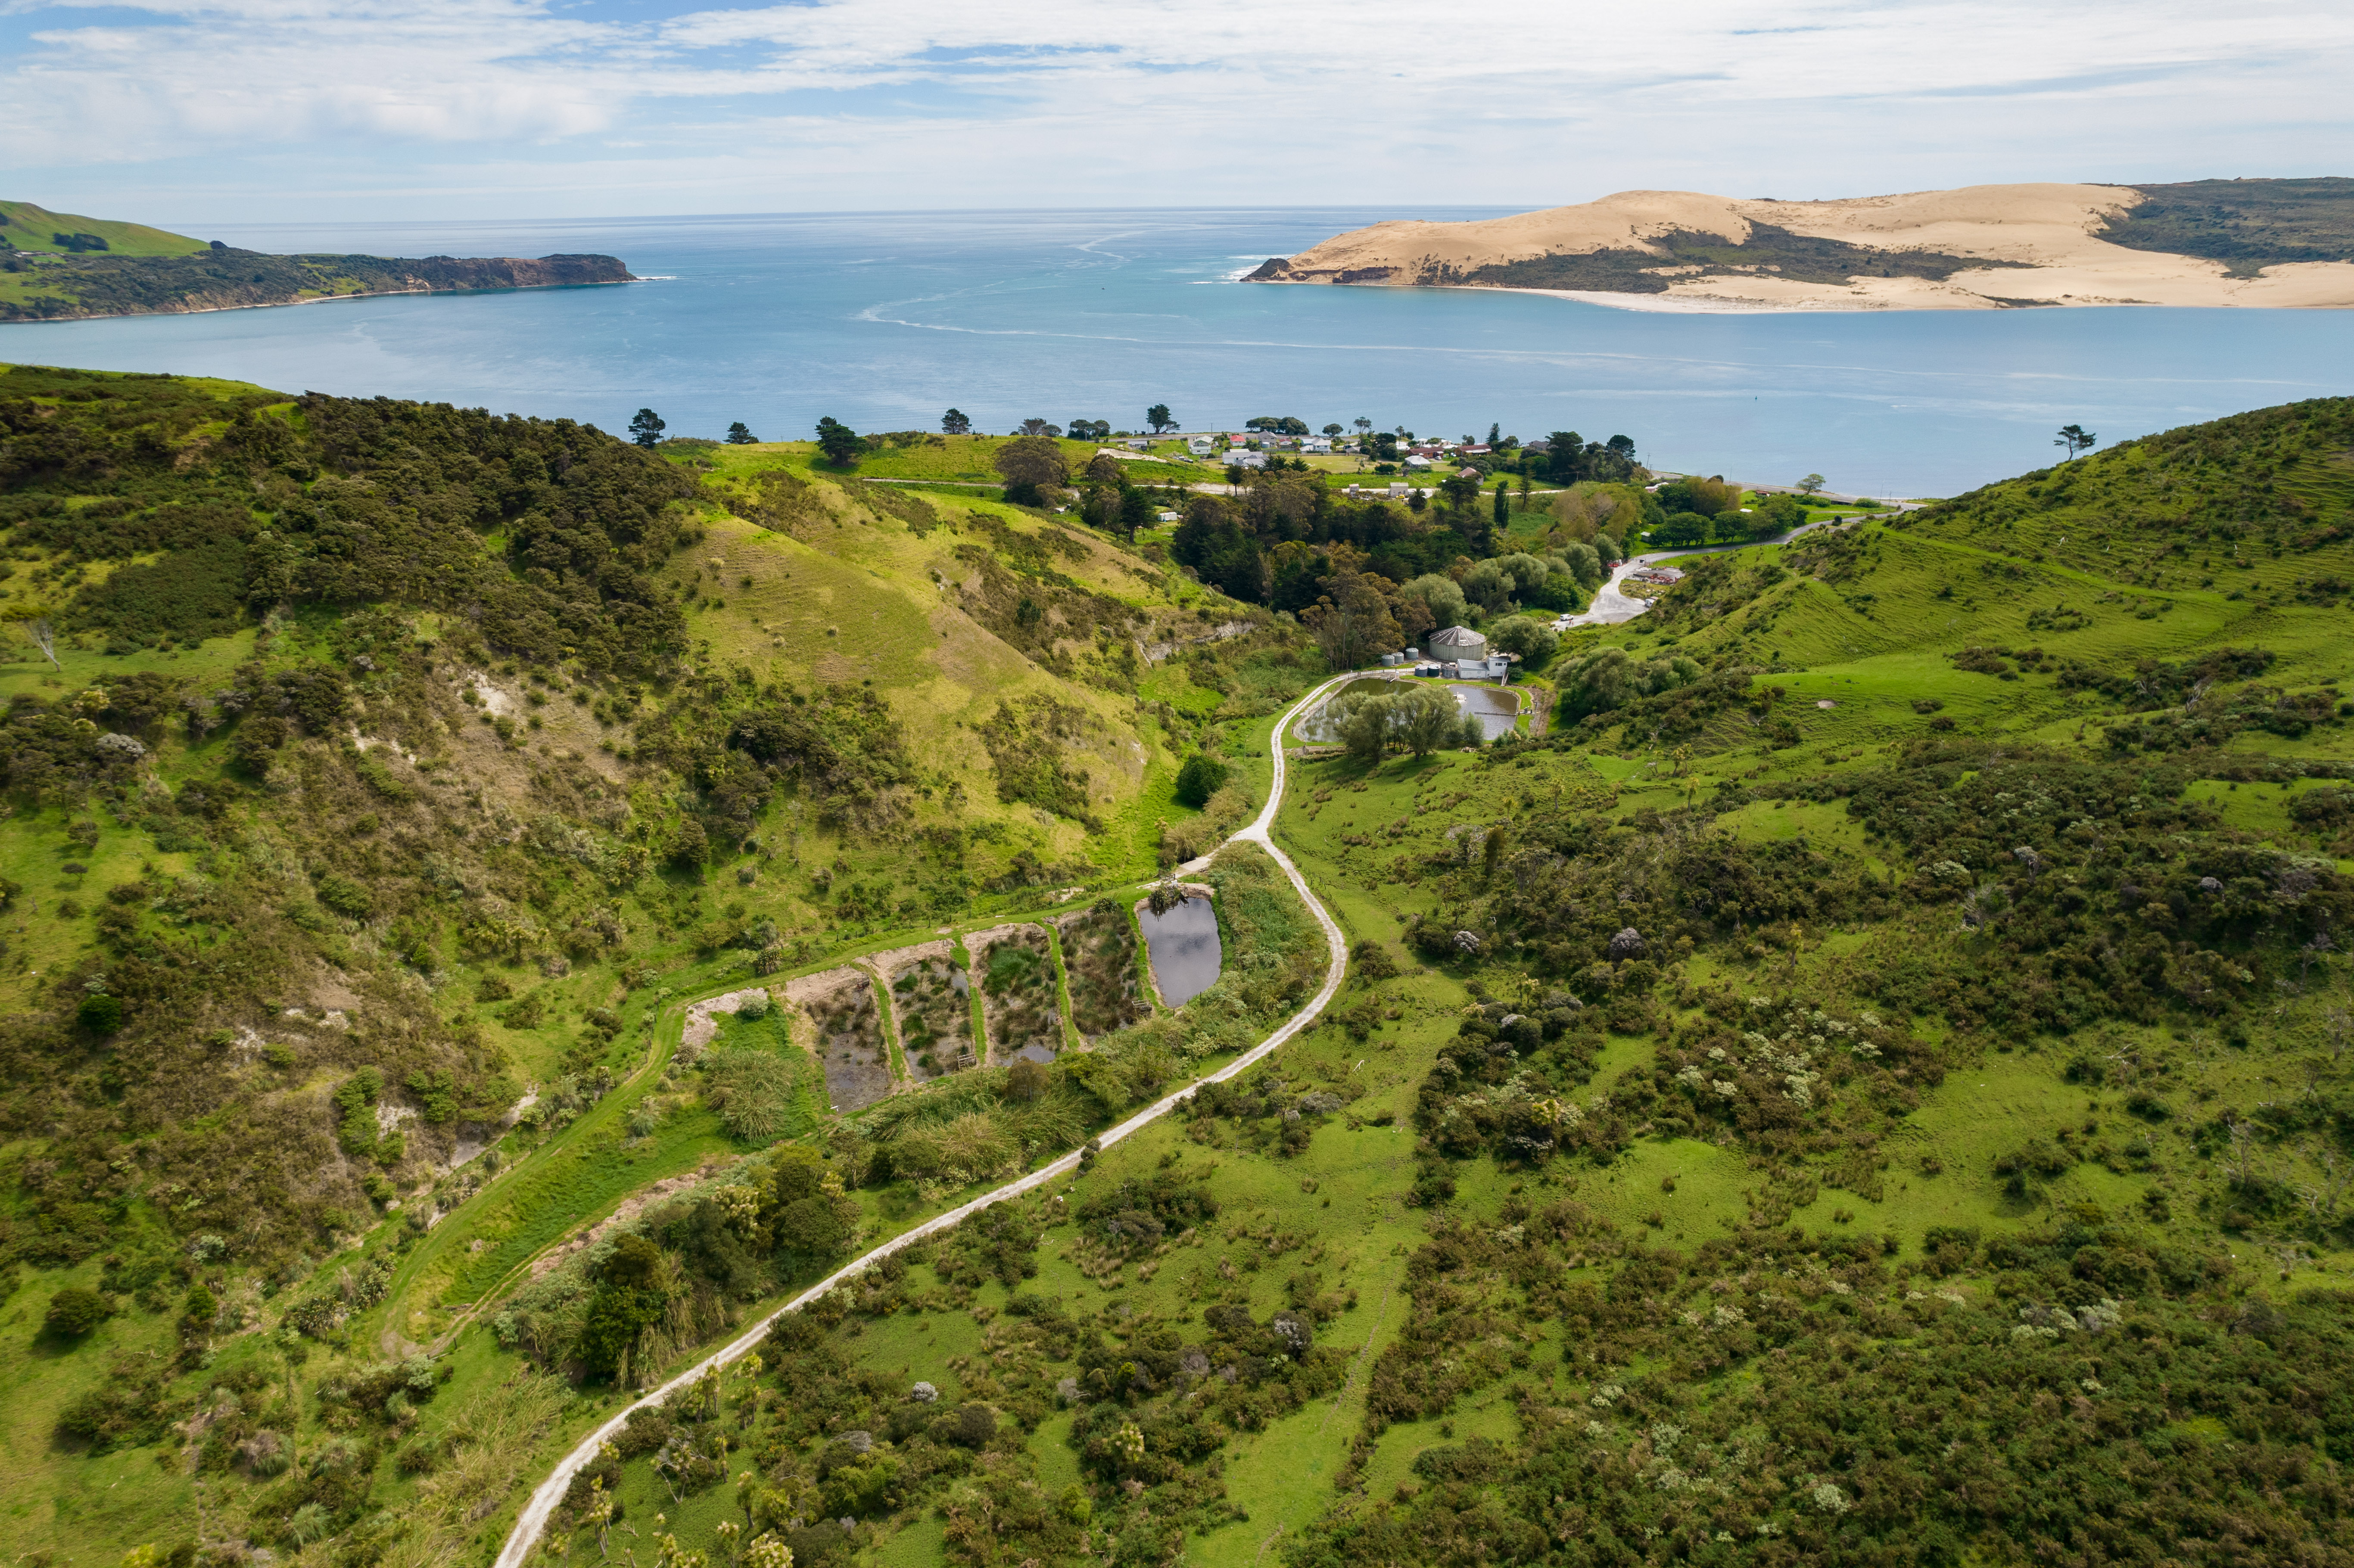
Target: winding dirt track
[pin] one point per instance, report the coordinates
(533, 1521)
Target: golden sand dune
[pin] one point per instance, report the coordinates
(1978, 248)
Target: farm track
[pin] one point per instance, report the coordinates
(533, 1521)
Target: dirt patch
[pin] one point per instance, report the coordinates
(931, 1001)
(847, 1030)
(1099, 957)
(1016, 971)
(702, 1028)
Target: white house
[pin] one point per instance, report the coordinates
(1242, 459)
(1416, 463)
(1200, 446)
(1315, 444)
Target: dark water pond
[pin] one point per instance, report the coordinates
(1184, 948)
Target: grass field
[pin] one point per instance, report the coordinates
(30, 228)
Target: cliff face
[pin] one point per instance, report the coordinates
(1978, 248)
(72, 288)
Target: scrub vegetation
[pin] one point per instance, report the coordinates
(1862, 1082)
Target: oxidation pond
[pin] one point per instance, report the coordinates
(1494, 706)
(1184, 948)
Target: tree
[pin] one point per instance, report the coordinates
(2076, 438)
(1034, 426)
(954, 423)
(1332, 430)
(646, 429)
(839, 442)
(1363, 721)
(1276, 425)
(1533, 639)
(1426, 719)
(814, 1217)
(1443, 594)
(1363, 424)
(1091, 430)
(739, 434)
(1457, 490)
(1565, 456)
(1220, 551)
(1495, 435)
(1031, 461)
(1138, 510)
(1503, 509)
(635, 1285)
(1157, 419)
(1351, 622)
(1200, 777)
(1811, 485)
(1681, 529)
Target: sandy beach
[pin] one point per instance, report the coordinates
(2044, 244)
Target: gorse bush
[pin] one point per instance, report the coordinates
(1200, 777)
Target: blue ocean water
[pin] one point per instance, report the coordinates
(885, 320)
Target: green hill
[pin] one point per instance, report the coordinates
(28, 227)
(1861, 1083)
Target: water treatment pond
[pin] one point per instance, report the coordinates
(1494, 706)
(1183, 944)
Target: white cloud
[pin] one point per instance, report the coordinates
(900, 102)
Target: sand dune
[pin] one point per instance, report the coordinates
(2049, 235)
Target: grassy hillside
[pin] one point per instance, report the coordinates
(28, 227)
(1864, 1084)
(392, 767)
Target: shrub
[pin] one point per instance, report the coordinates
(75, 1311)
(100, 1013)
(345, 897)
(752, 1091)
(1200, 777)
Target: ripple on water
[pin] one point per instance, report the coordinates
(1183, 944)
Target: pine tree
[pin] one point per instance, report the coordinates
(647, 428)
(740, 435)
(838, 441)
(1504, 510)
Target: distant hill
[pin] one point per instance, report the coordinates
(69, 288)
(2213, 242)
(61, 266)
(28, 226)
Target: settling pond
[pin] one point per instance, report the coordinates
(1184, 948)
(1494, 706)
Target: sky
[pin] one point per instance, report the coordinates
(181, 112)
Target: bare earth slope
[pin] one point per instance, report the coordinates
(1978, 248)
